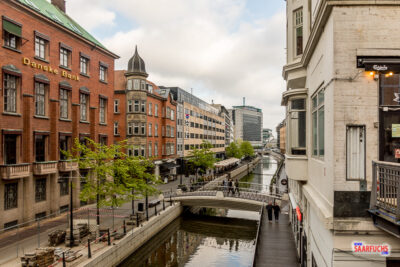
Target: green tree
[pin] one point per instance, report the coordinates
(247, 149)
(234, 151)
(203, 158)
(115, 177)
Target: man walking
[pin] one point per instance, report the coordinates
(269, 208)
(237, 187)
(230, 185)
(277, 210)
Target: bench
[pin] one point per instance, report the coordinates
(154, 202)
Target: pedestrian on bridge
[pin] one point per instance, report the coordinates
(237, 187)
(230, 187)
(269, 208)
(277, 210)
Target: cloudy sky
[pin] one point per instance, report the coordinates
(224, 49)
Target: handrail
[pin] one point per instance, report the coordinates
(258, 235)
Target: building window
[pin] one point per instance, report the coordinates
(172, 114)
(12, 33)
(137, 105)
(156, 110)
(298, 29)
(63, 104)
(40, 189)
(84, 106)
(130, 105)
(156, 149)
(156, 130)
(150, 129)
(129, 84)
(150, 150)
(40, 99)
(65, 56)
(143, 85)
(143, 129)
(168, 115)
(41, 47)
(40, 148)
(10, 149)
(116, 105)
(115, 128)
(143, 109)
(168, 133)
(318, 125)
(150, 108)
(172, 131)
(103, 73)
(102, 110)
(64, 188)
(10, 93)
(64, 146)
(10, 196)
(136, 84)
(84, 65)
(150, 88)
(297, 126)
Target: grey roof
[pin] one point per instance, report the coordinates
(136, 65)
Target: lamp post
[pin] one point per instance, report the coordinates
(71, 210)
(133, 201)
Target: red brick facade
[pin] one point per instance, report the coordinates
(32, 72)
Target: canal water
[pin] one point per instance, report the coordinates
(217, 237)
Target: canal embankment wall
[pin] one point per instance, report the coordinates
(120, 250)
(113, 255)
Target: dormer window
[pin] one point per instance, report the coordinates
(150, 88)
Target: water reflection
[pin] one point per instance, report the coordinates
(199, 241)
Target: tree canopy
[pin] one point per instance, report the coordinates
(247, 149)
(203, 158)
(114, 176)
(234, 151)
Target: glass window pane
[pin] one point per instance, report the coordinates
(321, 131)
(321, 97)
(298, 104)
(314, 134)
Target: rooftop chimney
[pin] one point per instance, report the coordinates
(59, 3)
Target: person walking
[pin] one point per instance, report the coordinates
(277, 210)
(269, 208)
(230, 185)
(237, 187)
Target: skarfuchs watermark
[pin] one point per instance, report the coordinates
(360, 247)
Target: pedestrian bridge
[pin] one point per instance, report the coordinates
(251, 199)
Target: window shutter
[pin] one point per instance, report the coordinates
(12, 28)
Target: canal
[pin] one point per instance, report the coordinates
(211, 237)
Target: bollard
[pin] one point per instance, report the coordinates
(124, 228)
(163, 204)
(63, 260)
(109, 237)
(155, 210)
(88, 247)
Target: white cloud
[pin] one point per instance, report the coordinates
(205, 45)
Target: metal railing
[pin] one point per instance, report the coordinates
(386, 187)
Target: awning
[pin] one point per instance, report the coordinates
(292, 201)
(12, 27)
(65, 85)
(379, 63)
(41, 78)
(227, 162)
(11, 69)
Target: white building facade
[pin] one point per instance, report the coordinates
(342, 135)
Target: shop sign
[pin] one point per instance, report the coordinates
(380, 67)
(360, 247)
(26, 61)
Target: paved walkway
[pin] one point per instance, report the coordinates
(276, 245)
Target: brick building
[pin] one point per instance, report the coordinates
(144, 114)
(57, 86)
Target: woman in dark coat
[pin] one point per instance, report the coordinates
(269, 208)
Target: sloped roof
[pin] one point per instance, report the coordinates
(55, 14)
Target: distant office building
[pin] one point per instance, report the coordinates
(197, 121)
(281, 136)
(266, 135)
(247, 124)
(223, 112)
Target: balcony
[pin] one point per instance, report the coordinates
(67, 165)
(296, 167)
(385, 196)
(14, 171)
(46, 167)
